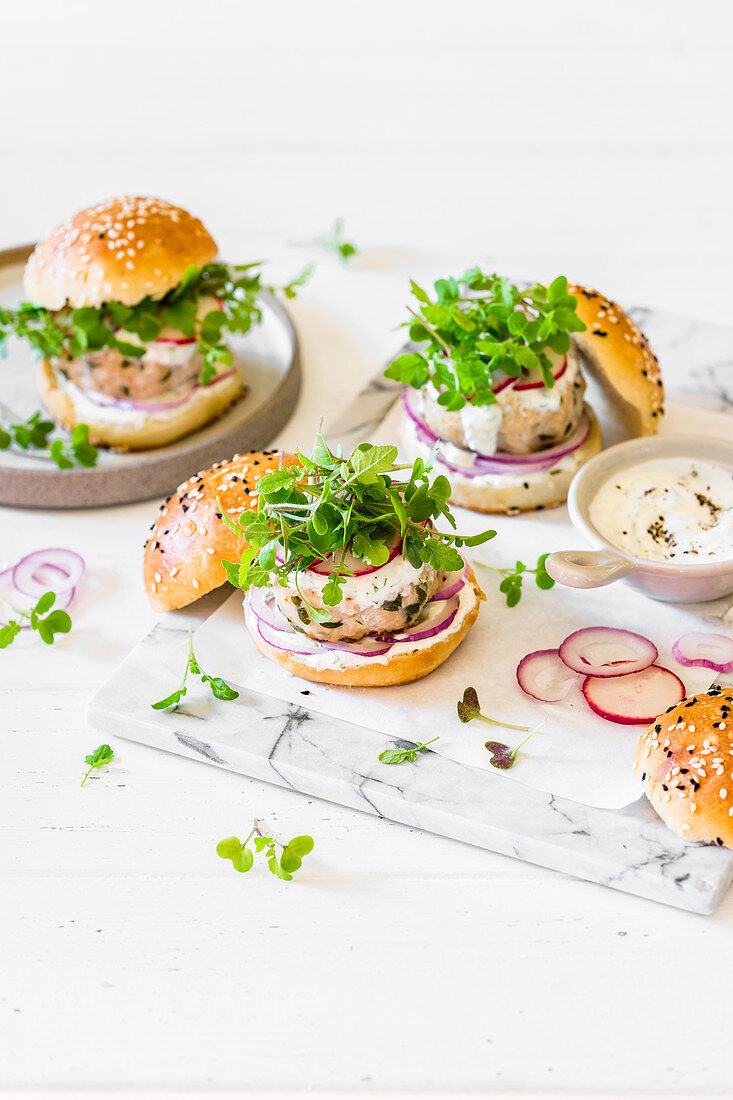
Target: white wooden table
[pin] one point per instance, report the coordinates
(131, 957)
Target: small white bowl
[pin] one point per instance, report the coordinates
(688, 583)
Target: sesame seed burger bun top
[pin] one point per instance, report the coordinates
(182, 559)
(618, 355)
(122, 250)
(685, 763)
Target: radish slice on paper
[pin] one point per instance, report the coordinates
(544, 676)
(635, 699)
(706, 650)
(607, 651)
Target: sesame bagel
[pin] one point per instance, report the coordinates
(618, 355)
(685, 763)
(182, 559)
(122, 250)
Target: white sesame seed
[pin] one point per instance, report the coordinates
(174, 570)
(684, 827)
(723, 792)
(157, 578)
(210, 550)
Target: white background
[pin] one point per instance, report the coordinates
(583, 137)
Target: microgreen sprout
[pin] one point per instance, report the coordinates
(334, 241)
(98, 759)
(504, 756)
(218, 687)
(511, 583)
(469, 708)
(75, 332)
(399, 756)
(480, 325)
(31, 436)
(327, 505)
(40, 618)
(283, 865)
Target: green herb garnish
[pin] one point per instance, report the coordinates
(479, 325)
(327, 505)
(97, 759)
(218, 687)
(284, 866)
(334, 241)
(31, 435)
(469, 708)
(399, 756)
(71, 333)
(511, 583)
(46, 622)
(504, 756)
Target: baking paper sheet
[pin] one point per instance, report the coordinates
(575, 754)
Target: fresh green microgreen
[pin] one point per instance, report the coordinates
(330, 506)
(511, 583)
(399, 756)
(334, 241)
(469, 708)
(504, 756)
(71, 333)
(219, 688)
(98, 759)
(47, 623)
(480, 325)
(283, 866)
(31, 436)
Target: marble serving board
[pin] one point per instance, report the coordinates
(286, 744)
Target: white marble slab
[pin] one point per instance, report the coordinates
(286, 744)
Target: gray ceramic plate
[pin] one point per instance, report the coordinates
(272, 370)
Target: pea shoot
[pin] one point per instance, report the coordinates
(219, 688)
(334, 241)
(100, 758)
(283, 866)
(329, 505)
(32, 436)
(511, 583)
(40, 618)
(480, 325)
(409, 752)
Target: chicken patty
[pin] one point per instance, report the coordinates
(115, 375)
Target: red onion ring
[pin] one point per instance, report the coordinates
(161, 406)
(444, 612)
(286, 645)
(67, 563)
(629, 652)
(713, 651)
(544, 676)
(454, 582)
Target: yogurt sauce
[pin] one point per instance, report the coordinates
(676, 510)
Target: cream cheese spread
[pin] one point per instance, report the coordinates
(676, 510)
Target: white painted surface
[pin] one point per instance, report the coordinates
(589, 138)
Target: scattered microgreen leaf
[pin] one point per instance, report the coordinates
(283, 865)
(326, 506)
(334, 241)
(479, 325)
(31, 436)
(399, 756)
(98, 759)
(469, 708)
(219, 688)
(47, 623)
(511, 583)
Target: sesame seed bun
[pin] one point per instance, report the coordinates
(182, 559)
(685, 762)
(618, 355)
(132, 429)
(386, 671)
(122, 250)
(511, 492)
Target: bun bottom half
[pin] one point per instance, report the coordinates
(510, 493)
(388, 671)
(130, 429)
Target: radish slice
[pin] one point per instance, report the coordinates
(67, 565)
(606, 651)
(636, 699)
(357, 567)
(533, 380)
(544, 676)
(452, 585)
(706, 650)
(435, 617)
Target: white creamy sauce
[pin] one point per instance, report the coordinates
(481, 425)
(161, 351)
(110, 410)
(376, 588)
(334, 658)
(668, 509)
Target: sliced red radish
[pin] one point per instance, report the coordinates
(67, 567)
(533, 380)
(435, 618)
(352, 565)
(452, 584)
(544, 676)
(634, 699)
(607, 651)
(706, 650)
